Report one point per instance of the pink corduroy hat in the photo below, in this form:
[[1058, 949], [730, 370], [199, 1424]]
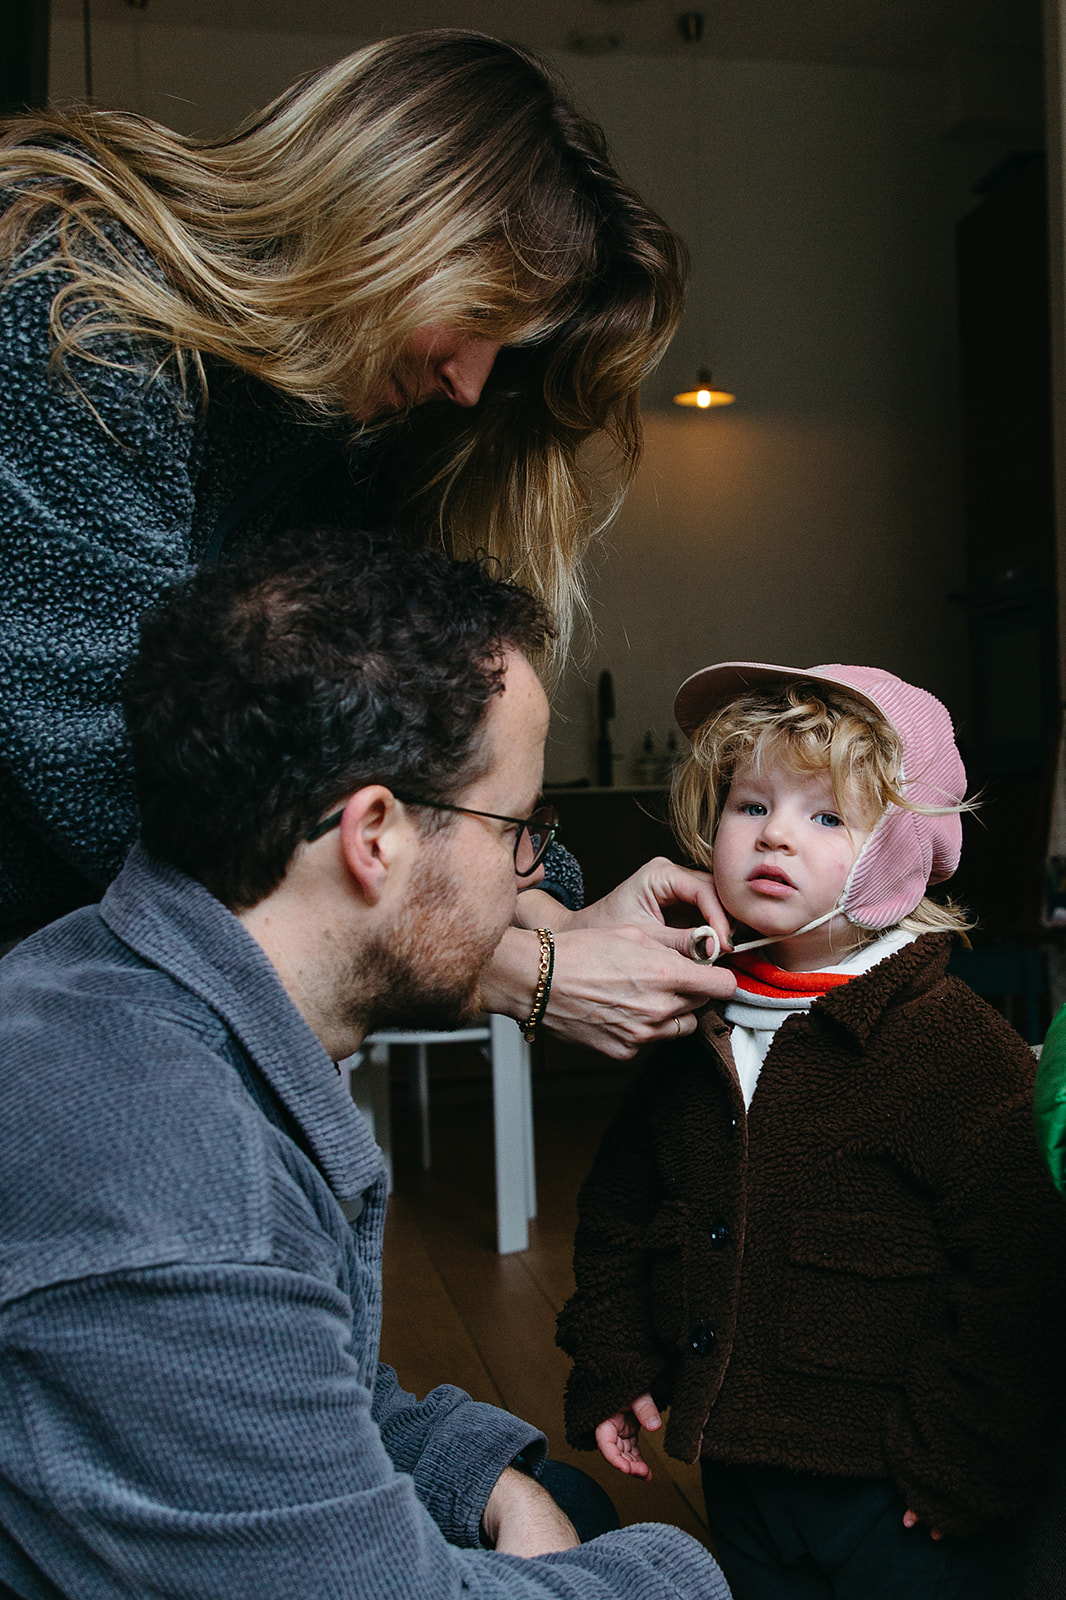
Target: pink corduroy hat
[[907, 850]]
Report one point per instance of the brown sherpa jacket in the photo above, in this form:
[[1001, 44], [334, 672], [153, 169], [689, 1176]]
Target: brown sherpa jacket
[[863, 1275]]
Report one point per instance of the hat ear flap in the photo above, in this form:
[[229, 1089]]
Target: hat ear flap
[[906, 852]]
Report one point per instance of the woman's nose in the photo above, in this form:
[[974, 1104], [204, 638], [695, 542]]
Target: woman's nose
[[466, 371]]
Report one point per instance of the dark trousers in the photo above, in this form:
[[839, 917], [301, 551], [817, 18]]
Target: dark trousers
[[783, 1534]]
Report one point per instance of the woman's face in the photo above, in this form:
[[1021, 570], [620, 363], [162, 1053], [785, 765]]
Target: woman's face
[[437, 363]]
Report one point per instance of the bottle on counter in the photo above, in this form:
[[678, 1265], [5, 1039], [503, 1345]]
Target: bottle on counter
[[646, 766], [668, 760]]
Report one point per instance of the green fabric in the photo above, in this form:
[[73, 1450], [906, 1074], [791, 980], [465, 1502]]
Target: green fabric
[[1049, 1104]]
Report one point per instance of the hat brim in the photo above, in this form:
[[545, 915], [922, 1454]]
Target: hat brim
[[707, 691]]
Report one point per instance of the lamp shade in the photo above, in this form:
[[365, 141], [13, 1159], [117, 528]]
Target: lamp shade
[[703, 393]]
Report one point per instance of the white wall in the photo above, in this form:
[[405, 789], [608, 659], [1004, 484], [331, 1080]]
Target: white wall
[[197, 80], [818, 519]]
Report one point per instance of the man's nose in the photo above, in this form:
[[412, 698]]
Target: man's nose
[[463, 376]]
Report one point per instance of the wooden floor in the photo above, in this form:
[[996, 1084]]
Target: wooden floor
[[457, 1312]]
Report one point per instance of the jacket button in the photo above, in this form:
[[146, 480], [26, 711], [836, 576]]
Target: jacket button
[[718, 1236], [702, 1339]]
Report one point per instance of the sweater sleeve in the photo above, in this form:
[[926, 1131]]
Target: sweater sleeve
[[972, 1423], [96, 508], [454, 1448], [563, 879], [607, 1324], [132, 1466]]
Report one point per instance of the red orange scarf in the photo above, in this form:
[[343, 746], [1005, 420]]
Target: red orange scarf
[[760, 977]]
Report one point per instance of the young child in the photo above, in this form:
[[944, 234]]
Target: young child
[[819, 1229]]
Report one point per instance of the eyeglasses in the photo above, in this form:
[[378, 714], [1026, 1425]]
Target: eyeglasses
[[532, 840]]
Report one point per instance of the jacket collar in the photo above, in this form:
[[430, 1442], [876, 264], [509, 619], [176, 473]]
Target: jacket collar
[[857, 1006], [175, 924]]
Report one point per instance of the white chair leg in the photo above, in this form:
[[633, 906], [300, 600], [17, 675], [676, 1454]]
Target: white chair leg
[[422, 1076], [512, 1096], [527, 1131], [346, 1068], [514, 1131]]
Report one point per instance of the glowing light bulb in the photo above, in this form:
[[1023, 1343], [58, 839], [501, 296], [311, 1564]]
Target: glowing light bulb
[[704, 394]]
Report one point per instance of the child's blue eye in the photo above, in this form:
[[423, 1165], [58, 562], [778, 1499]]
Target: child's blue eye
[[829, 819], [752, 808]]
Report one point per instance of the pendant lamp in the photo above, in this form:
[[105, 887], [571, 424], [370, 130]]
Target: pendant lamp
[[703, 393]]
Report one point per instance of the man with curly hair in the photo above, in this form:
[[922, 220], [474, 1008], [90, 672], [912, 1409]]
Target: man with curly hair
[[338, 748]]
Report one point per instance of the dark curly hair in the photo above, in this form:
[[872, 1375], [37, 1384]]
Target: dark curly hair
[[267, 690]]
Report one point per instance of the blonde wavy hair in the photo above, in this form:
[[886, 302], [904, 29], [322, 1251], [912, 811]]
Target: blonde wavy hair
[[439, 177], [828, 731]]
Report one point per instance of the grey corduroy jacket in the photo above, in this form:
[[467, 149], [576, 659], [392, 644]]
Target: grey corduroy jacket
[[191, 1404]]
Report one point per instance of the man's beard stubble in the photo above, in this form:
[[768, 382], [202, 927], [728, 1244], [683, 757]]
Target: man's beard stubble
[[427, 975]]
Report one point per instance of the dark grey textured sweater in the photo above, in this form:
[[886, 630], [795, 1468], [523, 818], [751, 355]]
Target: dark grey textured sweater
[[106, 497], [191, 1403]]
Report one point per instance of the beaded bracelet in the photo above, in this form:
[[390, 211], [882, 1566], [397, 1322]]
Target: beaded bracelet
[[544, 984]]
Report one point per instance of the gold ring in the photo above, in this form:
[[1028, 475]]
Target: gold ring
[[677, 1025]]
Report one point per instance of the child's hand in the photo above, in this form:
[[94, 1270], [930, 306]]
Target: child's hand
[[617, 1436], [911, 1519]]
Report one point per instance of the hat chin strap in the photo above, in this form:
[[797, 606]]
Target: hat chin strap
[[705, 946], [756, 944]]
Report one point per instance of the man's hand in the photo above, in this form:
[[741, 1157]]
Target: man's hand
[[522, 1519], [617, 1437], [623, 976], [616, 989], [911, 1519]]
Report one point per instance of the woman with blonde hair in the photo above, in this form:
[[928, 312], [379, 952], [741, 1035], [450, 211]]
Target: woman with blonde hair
[[200, 338]]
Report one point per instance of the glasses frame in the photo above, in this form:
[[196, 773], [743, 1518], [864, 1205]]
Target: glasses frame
[[523, 824]]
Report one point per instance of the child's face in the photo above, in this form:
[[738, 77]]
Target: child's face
[[782, 855]]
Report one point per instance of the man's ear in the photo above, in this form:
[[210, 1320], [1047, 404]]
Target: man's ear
[[375, 838]]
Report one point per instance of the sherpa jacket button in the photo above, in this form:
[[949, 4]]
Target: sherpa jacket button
[[702, 1339], [718, 1236]]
